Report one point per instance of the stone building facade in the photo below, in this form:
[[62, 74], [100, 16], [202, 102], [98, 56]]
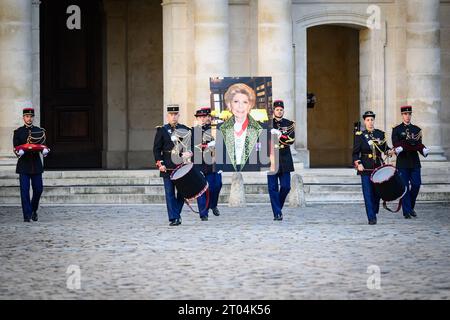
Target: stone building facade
[[101, 94]]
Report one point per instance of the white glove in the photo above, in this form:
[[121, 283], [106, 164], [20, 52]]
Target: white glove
[[219, 172], [45, 152], [370, 142], [211, 144], [275, 131], [173, 138], [398, 150], [20, 153], [425, 151]]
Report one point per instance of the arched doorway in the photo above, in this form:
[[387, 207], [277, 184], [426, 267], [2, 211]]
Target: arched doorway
[[367, 51], [333, 77]]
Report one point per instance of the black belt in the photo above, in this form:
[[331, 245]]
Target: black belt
[[369, 155]]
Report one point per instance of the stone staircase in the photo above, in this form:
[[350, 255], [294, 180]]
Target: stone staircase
[[145, 186]]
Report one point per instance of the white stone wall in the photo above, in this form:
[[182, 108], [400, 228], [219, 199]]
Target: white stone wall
[[134, 82], [242, 37], [35, 60], [445, 74], [16, 85], [178, 52], [115, 83], [145, 80]]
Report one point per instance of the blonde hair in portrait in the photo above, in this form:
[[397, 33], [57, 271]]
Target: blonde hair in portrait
[[241, 88]]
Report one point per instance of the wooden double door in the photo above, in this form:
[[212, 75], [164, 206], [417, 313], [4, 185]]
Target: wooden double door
[[71, 82]]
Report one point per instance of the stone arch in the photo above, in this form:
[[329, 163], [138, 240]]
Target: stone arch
[[372, 77], [340, 17]]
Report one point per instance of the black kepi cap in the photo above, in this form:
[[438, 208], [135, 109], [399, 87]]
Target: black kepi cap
[[173, 108], [405, 109], [28, 111], [278, 103], [368, 114], [203, 111]]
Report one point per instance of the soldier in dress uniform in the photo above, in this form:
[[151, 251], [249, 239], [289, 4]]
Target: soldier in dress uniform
[[284, 129], [368, 147], [407, 140], [166, 152], [29, 164], [203, 148]]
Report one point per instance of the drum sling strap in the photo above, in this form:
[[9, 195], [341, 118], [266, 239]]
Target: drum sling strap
[[206, 205], [398, 207]]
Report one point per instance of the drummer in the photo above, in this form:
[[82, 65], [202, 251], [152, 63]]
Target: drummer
[[29, 164], [367, 149], [203, 149], [163, 149]]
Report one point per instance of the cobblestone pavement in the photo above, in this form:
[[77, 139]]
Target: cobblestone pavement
[[318, 252]]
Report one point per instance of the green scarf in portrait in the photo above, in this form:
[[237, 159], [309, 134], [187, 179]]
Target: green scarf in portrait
[[254, 130]]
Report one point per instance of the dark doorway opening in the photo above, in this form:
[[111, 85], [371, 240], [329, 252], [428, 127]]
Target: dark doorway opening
[[334, 78], [71, 82]]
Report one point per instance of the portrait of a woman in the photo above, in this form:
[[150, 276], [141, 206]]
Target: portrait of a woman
[[241, 133]]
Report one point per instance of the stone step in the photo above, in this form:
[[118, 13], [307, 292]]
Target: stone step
[[97, 199], [145, 186], [357, 188], [90, 182], [432, 168], [339, 197], [151, 180], [149, 190], [90, 174], [317, 197], [344, 180], [159, 189]]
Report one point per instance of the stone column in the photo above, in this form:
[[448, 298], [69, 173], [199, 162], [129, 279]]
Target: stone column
[[116, 140], [175, 53], [372, 43], [211, 45], [275, 51], [36, 59], [423, 71], [301, 111], [15, 69]]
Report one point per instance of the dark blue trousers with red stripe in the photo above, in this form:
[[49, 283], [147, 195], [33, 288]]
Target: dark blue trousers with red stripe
[[30, 205]]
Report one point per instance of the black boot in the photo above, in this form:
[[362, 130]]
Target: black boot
[[216, 211], [34, 216], [175, 222], [278, 217]]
